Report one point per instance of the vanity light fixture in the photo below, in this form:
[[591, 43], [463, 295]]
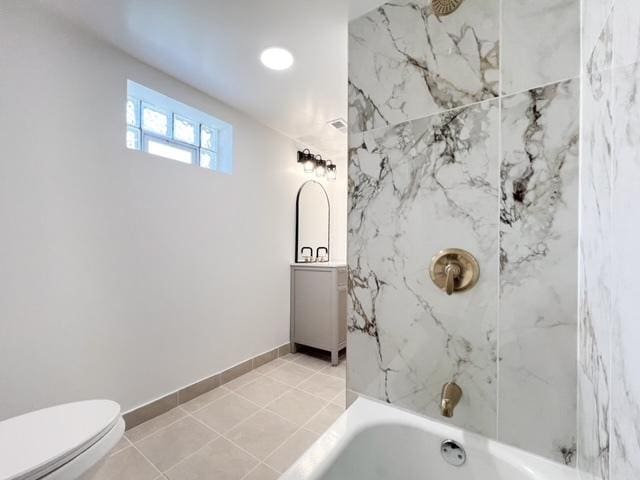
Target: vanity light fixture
[[321, 166], [315, 163], [331, 170], [307, 160]]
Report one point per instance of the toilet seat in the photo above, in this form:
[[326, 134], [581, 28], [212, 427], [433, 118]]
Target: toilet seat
[[35, 444]]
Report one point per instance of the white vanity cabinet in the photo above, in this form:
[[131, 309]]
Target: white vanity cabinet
[[319, 307]]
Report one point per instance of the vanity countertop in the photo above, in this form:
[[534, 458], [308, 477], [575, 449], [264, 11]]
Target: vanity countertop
[[319, 264]]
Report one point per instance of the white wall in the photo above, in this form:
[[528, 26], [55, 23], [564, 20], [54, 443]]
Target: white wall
[[125, 275], [338, 197]]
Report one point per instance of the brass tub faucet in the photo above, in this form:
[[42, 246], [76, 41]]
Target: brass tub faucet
[[451, 395]]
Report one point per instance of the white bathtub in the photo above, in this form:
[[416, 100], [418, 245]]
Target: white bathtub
[[374, 441]]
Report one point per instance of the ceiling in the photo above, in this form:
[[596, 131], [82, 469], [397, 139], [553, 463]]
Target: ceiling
[[214, 46]]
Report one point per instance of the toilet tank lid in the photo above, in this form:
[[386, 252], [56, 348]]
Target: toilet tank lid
[[36, 443]]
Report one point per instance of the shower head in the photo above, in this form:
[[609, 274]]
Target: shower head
[[445, 7]]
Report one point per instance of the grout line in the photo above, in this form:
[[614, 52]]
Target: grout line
[[498, 97], [150, 462], [302, 427], [317, 415], [289, 389], [340, 404], [499, 208], [260, 409], [428, 115], [282, 445], [211, 402], [252, 470], [543, 85], [579, 297], [224, 437], [160, 428], [186, 414], [115, 452]]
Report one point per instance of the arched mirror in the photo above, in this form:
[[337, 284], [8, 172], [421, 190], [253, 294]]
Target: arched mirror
[[312, 223]]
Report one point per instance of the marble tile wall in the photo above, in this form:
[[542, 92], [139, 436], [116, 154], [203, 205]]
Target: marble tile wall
[[625, 367], [444, 155], [595, 275], [407, 63], [609, 379], [539, 42], [538, 265], [594, 348], [416, 188]]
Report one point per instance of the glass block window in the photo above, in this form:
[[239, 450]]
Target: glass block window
[[208, 159], [155, 120], [185, 130], [161, 126], [208, 136], [133, 138], [133, 112]]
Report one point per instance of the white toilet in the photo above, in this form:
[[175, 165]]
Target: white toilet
[[59, 443]]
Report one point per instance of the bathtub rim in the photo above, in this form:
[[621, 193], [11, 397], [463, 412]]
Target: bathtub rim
[[365, 413]]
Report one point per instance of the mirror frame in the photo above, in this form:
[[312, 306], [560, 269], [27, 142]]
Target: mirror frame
[[326, 195]]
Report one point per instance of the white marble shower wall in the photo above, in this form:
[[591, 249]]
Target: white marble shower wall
[[609, 333], [452, 147]]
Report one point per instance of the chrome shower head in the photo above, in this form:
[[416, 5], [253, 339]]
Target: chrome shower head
[[445, 7]]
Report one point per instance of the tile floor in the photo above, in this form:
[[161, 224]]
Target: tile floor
[[252, 428]]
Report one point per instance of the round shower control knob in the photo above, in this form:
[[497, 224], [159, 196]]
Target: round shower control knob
[[454, 270]]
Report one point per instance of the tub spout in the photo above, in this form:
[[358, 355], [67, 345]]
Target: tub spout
[[451, 395]]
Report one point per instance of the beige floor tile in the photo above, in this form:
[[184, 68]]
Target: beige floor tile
[[324, 418], [161, 421], [242, 380], [205, 399], [263, 390], [219, 460], [262, 472], [296, 406], [127, 463], [291, 374], [121, 445], [289, 357], [168, 446], [323, 386], [340, 399], [339, 371], [272, 365], [226, 413], [310, 362], [287, 454], [262, 433]]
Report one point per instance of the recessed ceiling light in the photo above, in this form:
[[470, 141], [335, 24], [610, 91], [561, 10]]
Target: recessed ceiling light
[[276, 58]]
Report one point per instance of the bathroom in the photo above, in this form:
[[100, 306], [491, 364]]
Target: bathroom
[[319, 240]]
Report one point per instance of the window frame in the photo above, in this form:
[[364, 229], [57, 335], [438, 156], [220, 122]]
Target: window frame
[[144, 146], [222, 133]]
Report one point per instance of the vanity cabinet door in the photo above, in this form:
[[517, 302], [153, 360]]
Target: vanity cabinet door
[[312, 313]]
